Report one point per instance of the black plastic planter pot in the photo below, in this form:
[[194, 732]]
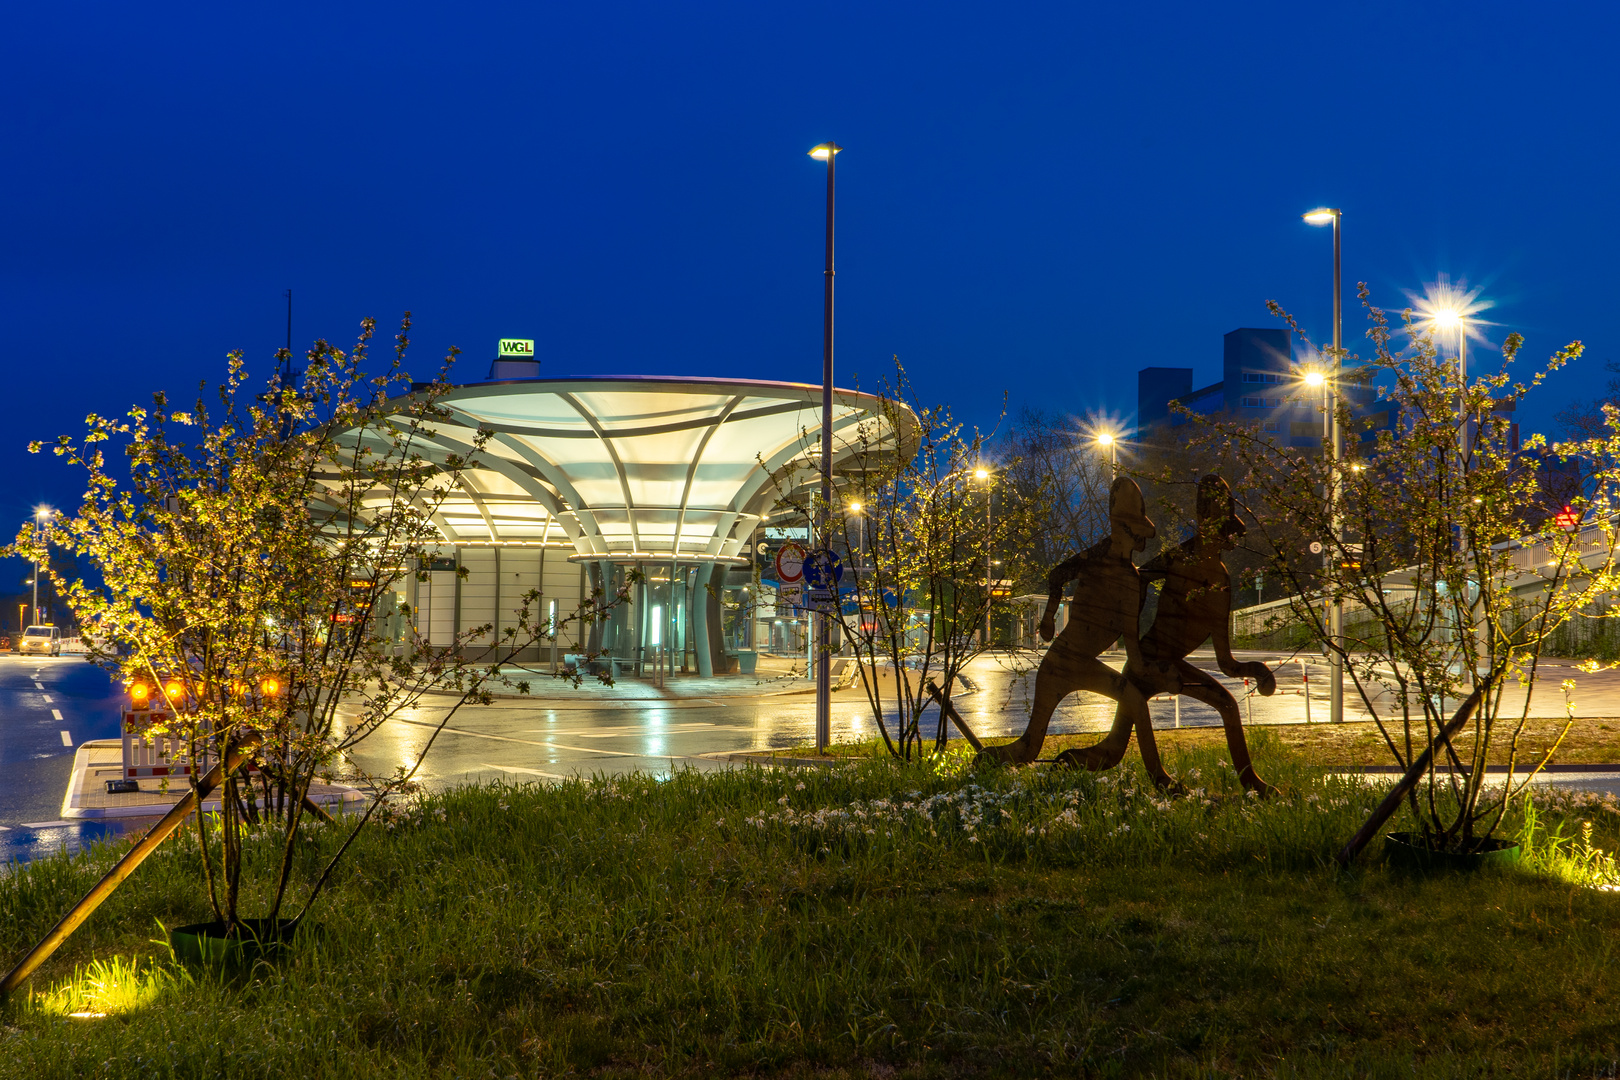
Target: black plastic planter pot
[[208, 943], [1408, 850]]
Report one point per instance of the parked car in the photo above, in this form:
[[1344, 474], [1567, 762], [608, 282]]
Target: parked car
[[41, 639]]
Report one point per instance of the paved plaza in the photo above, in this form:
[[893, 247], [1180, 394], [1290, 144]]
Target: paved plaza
[[52, 707]]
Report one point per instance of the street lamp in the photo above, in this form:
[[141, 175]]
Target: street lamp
[[855, 508], [42, 514], [1335, 450], [983, 476], [822, 624], [1451, 320], [1106, 439]]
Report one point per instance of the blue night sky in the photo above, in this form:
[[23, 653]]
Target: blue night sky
[[1033, 199]]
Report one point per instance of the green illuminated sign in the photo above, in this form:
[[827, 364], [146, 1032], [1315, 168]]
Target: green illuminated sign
[[516, 349]]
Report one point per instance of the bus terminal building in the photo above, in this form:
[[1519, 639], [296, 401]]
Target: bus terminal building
[[584, 480]]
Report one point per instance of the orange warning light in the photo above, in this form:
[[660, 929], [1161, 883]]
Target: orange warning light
[[174, 689], [270, 686], [140, 692]]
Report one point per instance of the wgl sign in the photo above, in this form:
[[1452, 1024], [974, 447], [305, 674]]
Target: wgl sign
[[516, 349]]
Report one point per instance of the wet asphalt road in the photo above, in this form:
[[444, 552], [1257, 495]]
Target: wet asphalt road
[[564, 734], [48, 706]]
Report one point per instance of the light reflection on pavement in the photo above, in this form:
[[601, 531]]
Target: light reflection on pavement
[[559, 736]]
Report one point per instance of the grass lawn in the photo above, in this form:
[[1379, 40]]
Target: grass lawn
[[1594, 741], [867, 920]]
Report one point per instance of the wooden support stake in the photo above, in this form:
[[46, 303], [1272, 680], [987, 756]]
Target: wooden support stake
[[949, 712], [1420, 766], [125, 867]]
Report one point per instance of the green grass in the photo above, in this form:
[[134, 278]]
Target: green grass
[[755, 922]]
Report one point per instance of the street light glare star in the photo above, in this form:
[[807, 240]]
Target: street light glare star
[[1105, 439], [981, 474], [1314, 378], [1449, 309]]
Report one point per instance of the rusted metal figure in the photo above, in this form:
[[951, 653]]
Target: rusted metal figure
[[1195, 605], [1107, 608]]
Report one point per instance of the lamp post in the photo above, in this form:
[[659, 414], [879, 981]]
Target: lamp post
[[1451, 318], [1333, 442], [42, 514], [822, 625], [983, 476], [1107, 439]]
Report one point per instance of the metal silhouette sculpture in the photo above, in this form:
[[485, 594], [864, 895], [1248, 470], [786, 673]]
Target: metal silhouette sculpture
[[1195, 605], [1112, 592]]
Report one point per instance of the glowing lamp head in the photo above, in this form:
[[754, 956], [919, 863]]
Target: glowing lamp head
[[270, 686], [1105, 439], [139, 693], [1321, 216], [1314, 378], [854, 508], [824, 151], [981, 474], [1447, 319]]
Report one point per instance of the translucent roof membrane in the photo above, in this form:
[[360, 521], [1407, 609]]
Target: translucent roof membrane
[[638, 467]]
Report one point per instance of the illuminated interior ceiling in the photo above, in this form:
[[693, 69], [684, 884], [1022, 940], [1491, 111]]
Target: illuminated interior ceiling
[[641, 468]]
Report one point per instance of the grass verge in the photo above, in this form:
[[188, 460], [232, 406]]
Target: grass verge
[[864, 920], [1594, 741]]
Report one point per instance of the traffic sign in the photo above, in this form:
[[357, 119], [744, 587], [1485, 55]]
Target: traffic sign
[[823, 569], [1316, 547], [789, 562], [789, 596]]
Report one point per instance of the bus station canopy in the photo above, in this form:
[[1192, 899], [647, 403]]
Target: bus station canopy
[[631, 469]]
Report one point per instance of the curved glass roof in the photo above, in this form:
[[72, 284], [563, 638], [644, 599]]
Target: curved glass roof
[[627, 468]]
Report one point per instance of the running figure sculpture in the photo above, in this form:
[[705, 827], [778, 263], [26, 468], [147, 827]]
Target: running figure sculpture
[[1195, 605], [1107, 608]]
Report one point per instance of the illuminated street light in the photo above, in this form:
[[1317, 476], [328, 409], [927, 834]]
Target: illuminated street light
[[1332, 215], [822, 624], [984, 475], [1107, 440], [1314, 378], [42, 514]]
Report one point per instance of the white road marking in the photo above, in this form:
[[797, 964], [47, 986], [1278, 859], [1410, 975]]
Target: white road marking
[[67, 739], [39, 685], [531, 772], [56, 714], [49, 699], [618, 732], [525, 742]]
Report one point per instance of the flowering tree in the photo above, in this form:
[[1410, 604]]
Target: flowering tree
[[923, 543], [1435, 538], [250, 579]]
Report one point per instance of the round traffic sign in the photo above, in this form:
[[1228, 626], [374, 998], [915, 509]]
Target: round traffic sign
[[823, 569], [790, 562], [1316, 547]]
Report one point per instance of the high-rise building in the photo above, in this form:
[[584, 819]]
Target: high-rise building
[[1260, 383]]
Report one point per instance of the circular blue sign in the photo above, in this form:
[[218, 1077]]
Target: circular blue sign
[[823, 569]]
